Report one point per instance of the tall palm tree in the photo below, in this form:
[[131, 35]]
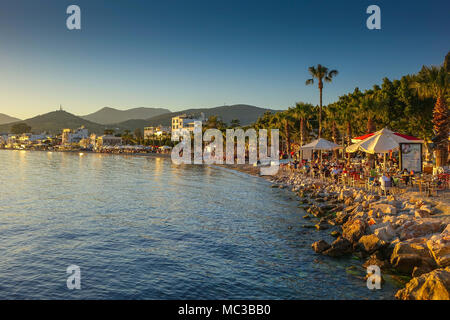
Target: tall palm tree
[[434, 82], [322, 74]]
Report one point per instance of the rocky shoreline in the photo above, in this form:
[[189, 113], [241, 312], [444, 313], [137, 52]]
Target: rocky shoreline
[[408, 236]]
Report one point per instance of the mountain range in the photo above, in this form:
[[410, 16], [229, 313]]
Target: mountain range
[[111, 116], [7, 119], [54, 122]]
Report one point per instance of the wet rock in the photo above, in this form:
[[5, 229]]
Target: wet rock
[[320, 246], [322, 226], [434, 285], [335, 234], [306, 216], [411, 253], [377, 259], [353, 229], [339, 247]]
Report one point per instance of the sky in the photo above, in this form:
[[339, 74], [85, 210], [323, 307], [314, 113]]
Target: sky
[[206, 53]]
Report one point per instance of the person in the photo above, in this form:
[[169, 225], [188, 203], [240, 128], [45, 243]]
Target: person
[[405, 176], [385, 181]]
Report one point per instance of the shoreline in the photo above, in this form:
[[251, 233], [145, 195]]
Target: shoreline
[[150, 155], [406, 236]]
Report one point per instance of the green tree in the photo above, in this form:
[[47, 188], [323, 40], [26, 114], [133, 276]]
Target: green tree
[[433, 82], [322, 74], [20, 128]]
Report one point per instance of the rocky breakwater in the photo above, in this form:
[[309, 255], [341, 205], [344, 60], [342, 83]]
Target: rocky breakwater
[[408, 237]]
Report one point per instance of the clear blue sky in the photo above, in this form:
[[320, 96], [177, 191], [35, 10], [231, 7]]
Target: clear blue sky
[[189, 53]]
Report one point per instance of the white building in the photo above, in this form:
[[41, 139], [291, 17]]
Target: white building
[[160, 130], [74, 136], [184, 122]]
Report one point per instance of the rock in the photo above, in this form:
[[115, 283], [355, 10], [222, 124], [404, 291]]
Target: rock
[[370, 243], [386, 233], [320, 246], [339, 247], [376, 259], [418, 271], [335, 234], [384, 208], [421, 214], [341, 217], [439, 246], [322, 226], [411, 253], [354, 229], [418, 228], [434, 285]]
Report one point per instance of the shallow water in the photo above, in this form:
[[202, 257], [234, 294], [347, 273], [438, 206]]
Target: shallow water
[[143, 228]]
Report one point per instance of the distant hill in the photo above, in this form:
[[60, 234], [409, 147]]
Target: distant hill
[[4, 118], [110, 115], [54, 122], [245, 113]]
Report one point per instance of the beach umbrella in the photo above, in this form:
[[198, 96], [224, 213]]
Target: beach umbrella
[[321, 144], [382, 141], [409, 138]]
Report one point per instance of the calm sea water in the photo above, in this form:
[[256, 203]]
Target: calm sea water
[[143, 228]]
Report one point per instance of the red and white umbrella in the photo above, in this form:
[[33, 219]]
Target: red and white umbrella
[[382, 141], [404, 136]]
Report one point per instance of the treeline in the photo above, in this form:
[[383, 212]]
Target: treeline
[[415, 105]]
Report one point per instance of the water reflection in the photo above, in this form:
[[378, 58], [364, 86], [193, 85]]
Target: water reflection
[[144, 228]]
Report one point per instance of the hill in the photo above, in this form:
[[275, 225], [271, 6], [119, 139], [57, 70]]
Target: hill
[[245, 113], [54, 122], [111, 116], [4, 118]]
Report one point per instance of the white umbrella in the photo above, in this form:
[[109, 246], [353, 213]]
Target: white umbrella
[[321, 144], [382, 141]]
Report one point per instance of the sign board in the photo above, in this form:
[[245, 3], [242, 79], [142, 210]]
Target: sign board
[[411, 156]]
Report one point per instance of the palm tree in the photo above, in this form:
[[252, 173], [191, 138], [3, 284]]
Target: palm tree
[[302, 112], [332, 116], [433, 82], [282, 120], [322, 74]]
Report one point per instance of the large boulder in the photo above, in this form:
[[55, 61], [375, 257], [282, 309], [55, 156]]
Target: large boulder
[[339, 247], [419, 228], [439, 246], [385, 233], [434, 285], [370, 243], [320, 246], [411, 253], [353, 229]]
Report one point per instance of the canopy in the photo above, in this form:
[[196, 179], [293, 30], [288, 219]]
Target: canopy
[[382, 141], [321, 144], [410, 138]]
